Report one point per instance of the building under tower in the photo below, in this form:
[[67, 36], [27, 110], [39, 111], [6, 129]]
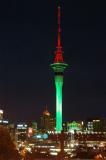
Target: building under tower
[[58, 67]]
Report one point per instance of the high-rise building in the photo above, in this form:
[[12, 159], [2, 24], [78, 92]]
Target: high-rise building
[[58, 67], [21, 132], [99, 125], [96, 125], [47, 121]]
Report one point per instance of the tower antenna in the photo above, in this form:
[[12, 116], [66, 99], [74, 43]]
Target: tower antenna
[[59, 52], [59, 29]]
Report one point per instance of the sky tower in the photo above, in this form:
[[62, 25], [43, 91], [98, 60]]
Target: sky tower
[[58, 67]]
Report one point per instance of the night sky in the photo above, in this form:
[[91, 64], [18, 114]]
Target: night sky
[[28, 38]]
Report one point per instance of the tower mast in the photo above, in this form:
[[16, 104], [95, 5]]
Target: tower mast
[[58, 67], [58, 52]]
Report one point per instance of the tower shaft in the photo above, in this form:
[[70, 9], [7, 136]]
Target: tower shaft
[[59, 85]]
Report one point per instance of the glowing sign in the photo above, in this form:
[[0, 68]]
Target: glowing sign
[[41, 136], [30, 130]]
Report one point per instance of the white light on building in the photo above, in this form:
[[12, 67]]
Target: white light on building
[[1, 114]]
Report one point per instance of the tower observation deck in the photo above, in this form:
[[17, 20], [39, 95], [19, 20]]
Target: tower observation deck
[[58, 67]]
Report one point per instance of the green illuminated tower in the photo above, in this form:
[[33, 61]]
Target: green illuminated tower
[[58, 67]]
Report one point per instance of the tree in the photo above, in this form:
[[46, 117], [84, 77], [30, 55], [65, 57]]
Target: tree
[[7, 147]]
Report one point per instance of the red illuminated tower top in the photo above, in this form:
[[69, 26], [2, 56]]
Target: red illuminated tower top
[[58, 65], [59, 52]]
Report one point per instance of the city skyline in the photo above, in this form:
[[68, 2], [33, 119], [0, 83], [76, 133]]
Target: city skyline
[[28, 36]]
